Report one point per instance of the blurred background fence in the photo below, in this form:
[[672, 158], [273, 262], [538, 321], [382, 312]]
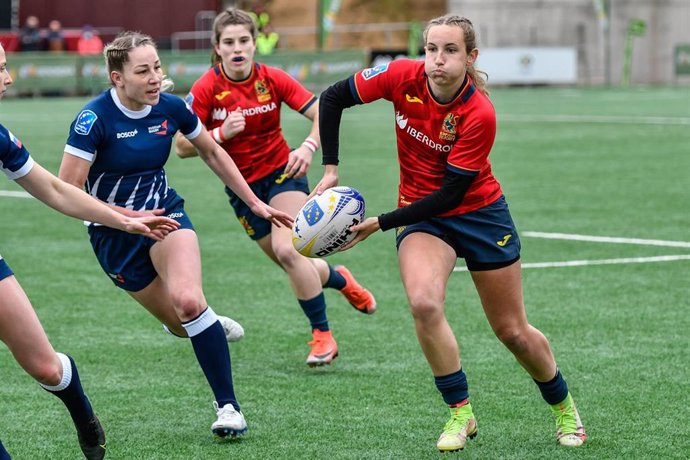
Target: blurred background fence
[[522, 42]]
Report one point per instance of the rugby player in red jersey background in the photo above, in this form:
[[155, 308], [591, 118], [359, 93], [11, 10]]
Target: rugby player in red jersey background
[[239, 101]]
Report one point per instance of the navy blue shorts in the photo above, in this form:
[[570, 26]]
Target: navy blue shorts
[[486, 238], [124, 257], [5, 269], [265, 188]]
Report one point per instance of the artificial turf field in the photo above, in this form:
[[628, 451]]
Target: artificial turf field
[[597, 181]]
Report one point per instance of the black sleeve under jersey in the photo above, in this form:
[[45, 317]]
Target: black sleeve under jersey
[[332, 102], [450, 195]]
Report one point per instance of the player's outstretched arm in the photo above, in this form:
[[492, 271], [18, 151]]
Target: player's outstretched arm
[[226, 169], [74, 202]]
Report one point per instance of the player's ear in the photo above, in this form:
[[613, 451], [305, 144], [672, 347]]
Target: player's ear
[[116, 78], [472, 56]]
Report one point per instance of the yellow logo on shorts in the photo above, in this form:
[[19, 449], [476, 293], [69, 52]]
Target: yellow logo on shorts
[[281, 179], [504, 241], [247, 228], [399, 230]]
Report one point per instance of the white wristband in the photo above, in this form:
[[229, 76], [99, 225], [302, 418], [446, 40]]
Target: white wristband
[[218, 135], [310, 144]]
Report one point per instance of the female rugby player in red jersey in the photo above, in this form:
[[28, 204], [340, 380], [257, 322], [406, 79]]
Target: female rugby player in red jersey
[[239, 101], [450, 206]]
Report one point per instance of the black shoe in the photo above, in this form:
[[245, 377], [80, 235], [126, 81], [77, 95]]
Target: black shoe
[[92, 439]]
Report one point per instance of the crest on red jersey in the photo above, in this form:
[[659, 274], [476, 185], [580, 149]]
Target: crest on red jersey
[[262, 93], [448, 128]]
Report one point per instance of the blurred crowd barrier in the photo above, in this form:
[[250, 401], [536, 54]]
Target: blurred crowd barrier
[[71, 74]]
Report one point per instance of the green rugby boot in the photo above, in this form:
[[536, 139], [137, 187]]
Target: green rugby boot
[[569, 429], [462, 425]]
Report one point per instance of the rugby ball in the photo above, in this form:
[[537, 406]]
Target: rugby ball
[[323, 224]]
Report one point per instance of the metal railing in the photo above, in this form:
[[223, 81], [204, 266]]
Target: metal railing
[[288, 33]]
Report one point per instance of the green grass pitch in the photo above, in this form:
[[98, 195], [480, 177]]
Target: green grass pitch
[[591, 162]]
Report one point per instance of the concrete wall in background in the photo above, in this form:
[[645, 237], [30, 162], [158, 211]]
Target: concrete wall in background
[[600, 44]]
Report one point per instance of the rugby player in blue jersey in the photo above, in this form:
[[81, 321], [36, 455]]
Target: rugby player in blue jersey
[[117, 147], [20, 328]]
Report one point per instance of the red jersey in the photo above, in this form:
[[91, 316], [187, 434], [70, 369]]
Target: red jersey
[[261, 148], [433, 137]]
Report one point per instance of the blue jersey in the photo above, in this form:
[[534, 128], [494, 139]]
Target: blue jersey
[[128, 149], [15, 160]]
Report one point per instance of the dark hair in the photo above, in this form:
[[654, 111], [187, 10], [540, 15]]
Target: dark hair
[[230, 17], [478, 77]]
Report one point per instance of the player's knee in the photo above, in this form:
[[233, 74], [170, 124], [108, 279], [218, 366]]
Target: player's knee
[[48, 373], [188, 304], [424, 308], [513, 338], [286, 255]]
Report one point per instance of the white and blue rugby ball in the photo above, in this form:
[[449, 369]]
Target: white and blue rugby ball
[[323, 224]]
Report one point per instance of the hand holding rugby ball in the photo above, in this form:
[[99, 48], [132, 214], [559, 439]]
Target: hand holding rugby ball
[[323, 224]]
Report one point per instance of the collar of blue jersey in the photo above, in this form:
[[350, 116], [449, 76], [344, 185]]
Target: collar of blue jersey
[[467, 89], [133, 114]]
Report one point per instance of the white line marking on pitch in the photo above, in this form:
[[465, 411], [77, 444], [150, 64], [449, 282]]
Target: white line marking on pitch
[[14, 194], [607, 239], [582, 263], [603, 239], [627, 120]]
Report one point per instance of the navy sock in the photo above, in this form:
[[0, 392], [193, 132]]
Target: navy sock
[[335, 280], [71, 393], [555, 390], [453, 387], [4, 455], [212, 353], [315, 309]]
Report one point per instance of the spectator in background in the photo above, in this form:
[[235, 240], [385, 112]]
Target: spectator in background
[[266, 40], [266, 37], [55, 40], [89, 42], [30, 36]]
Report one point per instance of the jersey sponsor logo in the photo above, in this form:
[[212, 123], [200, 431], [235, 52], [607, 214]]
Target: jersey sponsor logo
[[420, 136], [219, 114], [504, 241], [127, 134], [401, 120], [161, 129], [262, 93], [222, 95], [413, 99], [448, 127], [85, 121], [16, 142], [259, 110], [371, 72]]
